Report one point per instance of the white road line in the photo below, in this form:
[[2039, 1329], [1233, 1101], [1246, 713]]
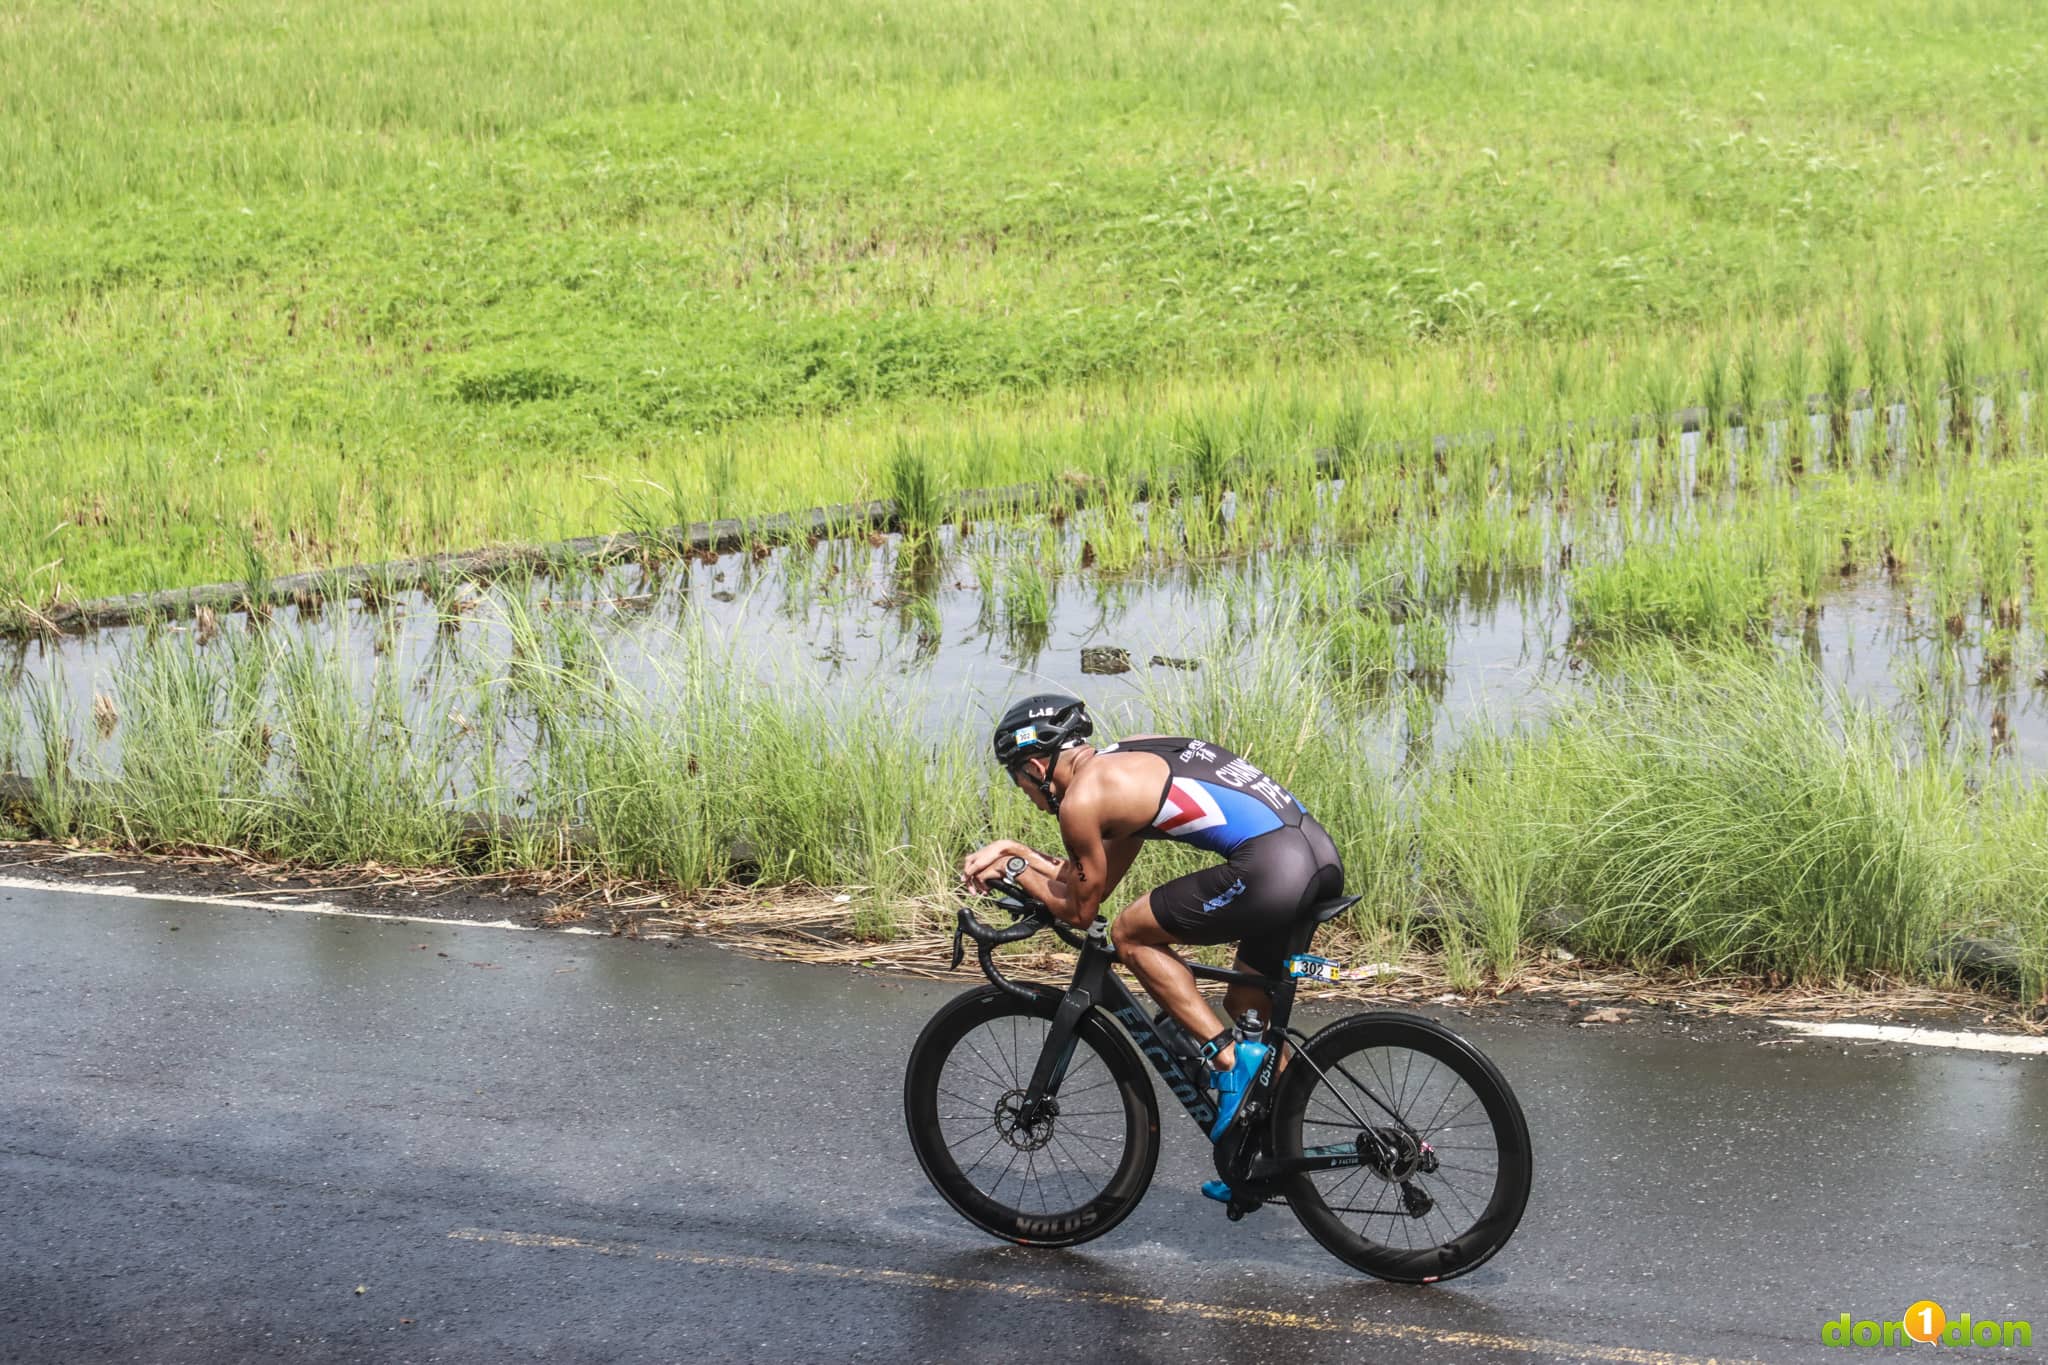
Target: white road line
[[244, 903], [1922, 1037]]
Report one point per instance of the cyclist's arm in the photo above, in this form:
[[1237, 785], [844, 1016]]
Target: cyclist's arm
[[1076, 893]]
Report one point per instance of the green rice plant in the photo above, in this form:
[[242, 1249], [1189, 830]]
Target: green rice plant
[[1958, 386], [1419, 713], [1950, 579], [986, 567], [1352, 434], [2036, 395], [1470, 473], [256, 589], [1115, 543], [1749, 388], [1027, 596], [1877, 365], [1712, 383], [1815, 560], [1205, 455], [1360, 649], [915, 487], [921, 615], [1913, 365], [1923, 407], [1879, 373], [646, 512], [1426, 638], [1934, 698], [1996, 537], [1709, 588], [1838, 390], [2007, 428], [1661, 394], [1797, 443], [1712, 465]]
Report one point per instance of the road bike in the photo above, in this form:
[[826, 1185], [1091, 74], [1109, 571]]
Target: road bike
[[1395, 1142]]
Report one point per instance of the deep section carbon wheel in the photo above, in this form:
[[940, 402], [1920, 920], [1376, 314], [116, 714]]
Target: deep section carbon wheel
[[1064, 1171], [1448, 1163]]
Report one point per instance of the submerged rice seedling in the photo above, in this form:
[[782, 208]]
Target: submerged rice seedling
[[1360, 650], [1712, 382], [1711, 587], [1027, 596], [1427, 641], [1838, 388], [1957, 385], [914, 486]]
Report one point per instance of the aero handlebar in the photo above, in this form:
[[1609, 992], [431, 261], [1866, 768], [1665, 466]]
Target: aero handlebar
[[1028, 917]]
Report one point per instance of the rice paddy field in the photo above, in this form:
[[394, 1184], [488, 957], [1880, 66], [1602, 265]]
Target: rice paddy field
[[1599, 468]]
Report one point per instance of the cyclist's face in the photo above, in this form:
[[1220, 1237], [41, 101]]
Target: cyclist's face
[[1026, 775]]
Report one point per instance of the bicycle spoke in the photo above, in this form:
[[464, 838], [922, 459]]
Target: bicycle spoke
[[976, 1163], [989, 1127], [1438, 1127], [1429, 1125], [1403, 1085], [989, 1069]]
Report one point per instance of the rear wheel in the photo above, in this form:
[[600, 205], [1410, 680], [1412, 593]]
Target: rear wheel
[[1064, 1174], [1448, 1162]]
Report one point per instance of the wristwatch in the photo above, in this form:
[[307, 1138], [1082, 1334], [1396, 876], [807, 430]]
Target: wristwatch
[[1014, 868]]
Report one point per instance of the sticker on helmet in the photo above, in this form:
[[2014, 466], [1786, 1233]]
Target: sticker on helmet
[[1027, 735]]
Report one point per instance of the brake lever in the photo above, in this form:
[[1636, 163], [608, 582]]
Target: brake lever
[[959, 943]]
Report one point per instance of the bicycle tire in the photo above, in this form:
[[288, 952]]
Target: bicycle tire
[[1350, 1044], [970, 1018]]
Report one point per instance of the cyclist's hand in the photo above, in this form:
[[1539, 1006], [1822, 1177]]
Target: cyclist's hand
[[985, 864]]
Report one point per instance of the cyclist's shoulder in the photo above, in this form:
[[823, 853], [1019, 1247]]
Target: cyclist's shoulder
[[1116, 785]]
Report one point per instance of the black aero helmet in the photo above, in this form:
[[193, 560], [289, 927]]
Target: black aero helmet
[[1044, 724]]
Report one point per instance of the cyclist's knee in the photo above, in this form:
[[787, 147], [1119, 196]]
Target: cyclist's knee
[[1135, 926]]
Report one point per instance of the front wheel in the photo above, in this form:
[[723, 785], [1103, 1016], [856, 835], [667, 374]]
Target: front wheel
[[1447, 1163], [1070, 1171]]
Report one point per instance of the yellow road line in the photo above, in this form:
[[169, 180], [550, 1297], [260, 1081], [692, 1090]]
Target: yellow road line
[[1248, 1317]]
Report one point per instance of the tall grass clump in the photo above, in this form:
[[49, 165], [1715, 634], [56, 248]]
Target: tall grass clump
[[194, 745], [1729, 813], [685, 782], [360, 780]]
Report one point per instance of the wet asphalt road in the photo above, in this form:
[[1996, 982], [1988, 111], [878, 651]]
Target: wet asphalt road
[[217, 1125]]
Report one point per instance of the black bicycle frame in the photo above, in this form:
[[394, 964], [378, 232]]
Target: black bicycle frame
[[1240, 1156]]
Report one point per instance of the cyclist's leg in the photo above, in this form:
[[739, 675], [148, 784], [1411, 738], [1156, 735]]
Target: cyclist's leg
[[1242, 995], [1211, 905], [1144, 946]]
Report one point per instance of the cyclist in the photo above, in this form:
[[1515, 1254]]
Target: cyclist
[[1278, 862]]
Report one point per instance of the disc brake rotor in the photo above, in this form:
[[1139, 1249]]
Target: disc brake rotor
[[1025, 1133]]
